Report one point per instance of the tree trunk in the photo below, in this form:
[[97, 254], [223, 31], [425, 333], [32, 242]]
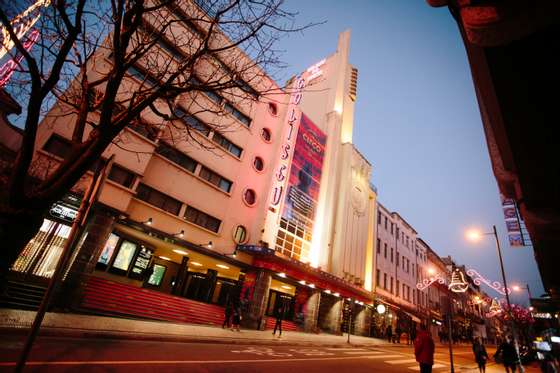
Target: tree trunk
[[16, 229]]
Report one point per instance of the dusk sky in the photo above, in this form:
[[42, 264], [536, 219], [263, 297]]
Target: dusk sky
[[417, 121]]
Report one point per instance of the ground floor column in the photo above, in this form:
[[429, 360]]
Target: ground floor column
[[256, 289], [330, 314], [82, 262], [311, 314], [362, 320]]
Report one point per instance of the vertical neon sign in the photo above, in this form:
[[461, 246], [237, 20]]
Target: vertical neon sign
[[287, 147]]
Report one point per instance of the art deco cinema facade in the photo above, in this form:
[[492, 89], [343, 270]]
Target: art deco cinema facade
[[276, 211]]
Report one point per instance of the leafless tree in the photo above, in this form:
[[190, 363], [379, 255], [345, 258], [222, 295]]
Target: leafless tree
[[103, 66]]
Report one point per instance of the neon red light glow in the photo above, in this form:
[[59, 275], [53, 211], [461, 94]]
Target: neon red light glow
[[8, 69]]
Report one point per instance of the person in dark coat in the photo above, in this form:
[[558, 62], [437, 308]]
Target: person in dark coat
[[424, 349], [236, 317], [509, 356], [227, 315], [389, 333], [480, 355], [398, 333], [279, 314]]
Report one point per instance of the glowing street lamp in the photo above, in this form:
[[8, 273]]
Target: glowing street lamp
[[475, 235], [519, 288]]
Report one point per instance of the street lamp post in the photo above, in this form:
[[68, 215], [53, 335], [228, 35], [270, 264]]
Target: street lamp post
[[474, 235]]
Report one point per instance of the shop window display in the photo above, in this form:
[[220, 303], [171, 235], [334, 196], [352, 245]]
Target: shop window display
[[108, 250], [41, 254], [157, 275], [125, 255]]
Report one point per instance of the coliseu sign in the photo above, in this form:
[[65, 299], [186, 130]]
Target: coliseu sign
[[288, 142]]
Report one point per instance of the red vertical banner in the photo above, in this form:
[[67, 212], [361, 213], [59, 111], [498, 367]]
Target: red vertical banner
[[305, 175]]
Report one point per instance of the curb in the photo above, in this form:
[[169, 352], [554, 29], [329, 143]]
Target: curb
[[106, 334]]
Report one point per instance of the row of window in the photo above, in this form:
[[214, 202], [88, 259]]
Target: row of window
[[382, 219], [222, 102], [389, 281], [243, 85], [405, 261], [193, 122], [173, 206], [146, 78], [62, 148]]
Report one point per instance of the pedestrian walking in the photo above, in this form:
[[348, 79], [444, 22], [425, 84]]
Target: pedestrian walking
[[480, 354], [389, 333], [424, 349], [279, 314], [227, 315], [236, 317], [508, 355], [398, 333]]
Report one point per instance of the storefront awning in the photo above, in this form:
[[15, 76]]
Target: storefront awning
[[319, 278]]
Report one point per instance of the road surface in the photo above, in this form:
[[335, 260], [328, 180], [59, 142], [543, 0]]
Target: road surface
[[51, 354]]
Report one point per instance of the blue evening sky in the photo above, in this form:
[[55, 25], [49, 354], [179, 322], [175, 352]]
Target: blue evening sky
[[417, 121]]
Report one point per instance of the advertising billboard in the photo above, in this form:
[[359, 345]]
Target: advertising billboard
[[305, 174]]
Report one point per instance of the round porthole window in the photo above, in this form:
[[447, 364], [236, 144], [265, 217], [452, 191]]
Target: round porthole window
[[258, 163], [240, 235], [249, 197], [273, 108], [266, 135]]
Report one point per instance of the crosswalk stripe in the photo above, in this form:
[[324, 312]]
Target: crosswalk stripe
[[345, 349], [362, 352], [435, 366], [403, 361], [381, 356]]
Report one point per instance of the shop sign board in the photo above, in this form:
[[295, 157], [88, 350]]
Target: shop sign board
[[63, 212], [254, 249]]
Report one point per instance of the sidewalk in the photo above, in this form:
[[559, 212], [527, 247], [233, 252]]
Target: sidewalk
[[77, 325]]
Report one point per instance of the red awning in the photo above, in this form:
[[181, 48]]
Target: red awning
[[321, 279]]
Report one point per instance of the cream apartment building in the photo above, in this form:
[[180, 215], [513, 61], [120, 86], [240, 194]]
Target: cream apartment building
[[198, 218]]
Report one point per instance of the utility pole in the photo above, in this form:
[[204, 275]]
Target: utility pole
[[88, 200], [449, 332]]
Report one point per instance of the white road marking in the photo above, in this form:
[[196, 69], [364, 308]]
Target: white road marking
[[311, 352], [435, 366], [362, 352], [344, 349], [381, 356], [262, 351], [178, 362], [404, 361]]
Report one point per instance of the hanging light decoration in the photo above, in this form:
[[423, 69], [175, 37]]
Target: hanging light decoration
[[478, 279], [458, 283], [494, 309], [429, 281]]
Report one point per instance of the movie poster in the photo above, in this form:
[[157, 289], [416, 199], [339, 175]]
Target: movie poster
[[305, 175]]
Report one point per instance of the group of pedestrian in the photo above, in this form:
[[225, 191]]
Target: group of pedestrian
[[232, 316], [424, 349], [393, 337]]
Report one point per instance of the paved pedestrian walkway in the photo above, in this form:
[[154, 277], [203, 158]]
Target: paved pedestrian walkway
[[69, 324]]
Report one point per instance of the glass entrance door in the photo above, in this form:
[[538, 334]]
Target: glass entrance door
[[276, 301]]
